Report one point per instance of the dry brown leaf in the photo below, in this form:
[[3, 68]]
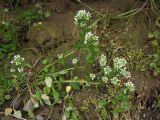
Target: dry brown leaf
[[8, 111]]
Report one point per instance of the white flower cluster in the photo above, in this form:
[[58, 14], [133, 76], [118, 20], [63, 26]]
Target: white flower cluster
[[125, 73], [92, 76], [107, 70], [91, 38], [12, 70], [60, 56], [114, 80], [130, 86], [74, 61], [18, 61], [119, 62], [82, 18], [102, 60], [105, 79]]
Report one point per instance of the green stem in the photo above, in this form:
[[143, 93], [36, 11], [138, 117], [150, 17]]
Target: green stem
[[56, 73], [49, 65], [73, 81]]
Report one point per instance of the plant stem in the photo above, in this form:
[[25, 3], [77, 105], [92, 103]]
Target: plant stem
[[13, 116], [72, 81], [49, 65]]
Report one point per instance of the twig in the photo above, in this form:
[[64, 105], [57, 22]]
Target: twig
[[138, 10], [122, 15], [28, 77], [14, 101], [91, 8]]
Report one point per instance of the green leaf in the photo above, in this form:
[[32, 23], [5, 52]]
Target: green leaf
[[116, 114], [45, 61], [7, 97], [38, 95], [157, 34], [150, 35], [17, 114], [48, 102], [152, 65], [47, 14], [45, 69], [75, 86], [104, 114], [67, 112], [31, 114], [48, 81], [29, 65], [46, 90], [74, 115], [63, 72], [55, 95], [154, 43]]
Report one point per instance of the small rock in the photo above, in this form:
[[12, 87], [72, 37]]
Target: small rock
[[39, 117], [158, 117], [29, 106], [144, 115]]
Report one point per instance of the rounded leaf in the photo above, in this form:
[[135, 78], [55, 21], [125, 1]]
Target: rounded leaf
[[44, 97], [8, 111], [48, 81]]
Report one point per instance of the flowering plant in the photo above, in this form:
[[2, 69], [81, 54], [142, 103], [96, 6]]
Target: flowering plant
[[119, 87], [115, 77], [82, 18], [111, 77], [89, 41], [17, 69]]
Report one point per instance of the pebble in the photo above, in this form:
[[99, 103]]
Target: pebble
[[29, 106]]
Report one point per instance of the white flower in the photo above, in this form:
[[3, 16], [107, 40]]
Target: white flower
[[12, 62], [107, 70], [17, 60], [92, 76], [20, 69], [82, 18], [102, 60], [114, 80], [60, 56], [6, 10], [91, 38], [105, 79], [12, 70], [125, 73], [75, 61], [3, 22], [119, 62], [130, 86]]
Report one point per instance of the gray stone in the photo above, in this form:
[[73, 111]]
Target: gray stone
[[28, 106]]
